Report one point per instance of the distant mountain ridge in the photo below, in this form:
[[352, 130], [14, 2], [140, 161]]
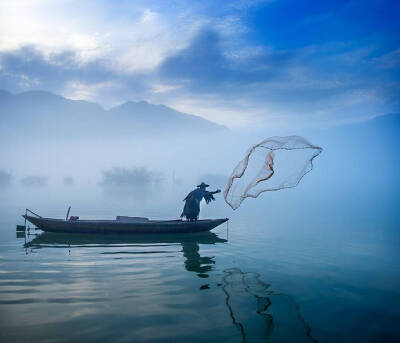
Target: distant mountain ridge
[[46, 110]]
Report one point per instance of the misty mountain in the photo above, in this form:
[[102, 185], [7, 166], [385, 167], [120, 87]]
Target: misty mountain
[[142, 114], [49, 113]]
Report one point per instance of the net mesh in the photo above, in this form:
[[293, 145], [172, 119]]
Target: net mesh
[[275, 163]]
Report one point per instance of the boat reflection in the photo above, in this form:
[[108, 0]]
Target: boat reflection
[[190, 243], [49, 238]]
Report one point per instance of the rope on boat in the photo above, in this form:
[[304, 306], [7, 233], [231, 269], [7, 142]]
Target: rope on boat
[[28, 210]]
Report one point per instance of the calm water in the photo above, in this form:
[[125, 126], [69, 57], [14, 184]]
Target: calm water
[[251, 282]]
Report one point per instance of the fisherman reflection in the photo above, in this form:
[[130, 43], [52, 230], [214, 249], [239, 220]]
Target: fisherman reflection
[[201, 265], [194, 262]]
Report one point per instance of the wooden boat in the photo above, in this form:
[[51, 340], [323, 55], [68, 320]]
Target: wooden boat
[[129, 225]]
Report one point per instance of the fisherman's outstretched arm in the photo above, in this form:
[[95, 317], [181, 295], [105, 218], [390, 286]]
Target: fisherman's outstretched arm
[[215, 192], [208, 196]]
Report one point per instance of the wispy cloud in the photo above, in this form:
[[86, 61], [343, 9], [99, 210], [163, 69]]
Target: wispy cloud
[[77, 90]]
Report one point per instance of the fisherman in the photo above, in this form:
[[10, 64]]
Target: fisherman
[[192, 201]]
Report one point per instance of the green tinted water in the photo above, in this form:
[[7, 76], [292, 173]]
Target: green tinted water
[[250, 283]]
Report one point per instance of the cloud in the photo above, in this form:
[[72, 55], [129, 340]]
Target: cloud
[[317, 83], [133, 36], [164, 88], [36, 181], [240, 4], [391, 60], [77, 90], [51, 27], [28, 68], [203, 66], [48, 71]]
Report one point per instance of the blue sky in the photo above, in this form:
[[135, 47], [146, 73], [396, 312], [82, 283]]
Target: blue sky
[[240, 63]]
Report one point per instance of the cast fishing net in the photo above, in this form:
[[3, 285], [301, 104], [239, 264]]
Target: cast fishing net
[[275, 163]]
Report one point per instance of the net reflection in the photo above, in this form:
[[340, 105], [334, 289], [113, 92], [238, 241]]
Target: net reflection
[[261, 314]]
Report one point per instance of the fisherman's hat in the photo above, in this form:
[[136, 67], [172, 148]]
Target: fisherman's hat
[[203, 185]]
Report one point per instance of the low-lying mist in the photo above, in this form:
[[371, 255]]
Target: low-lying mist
[[149, 173]]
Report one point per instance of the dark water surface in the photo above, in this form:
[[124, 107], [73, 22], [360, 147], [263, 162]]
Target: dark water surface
[[250, 283]]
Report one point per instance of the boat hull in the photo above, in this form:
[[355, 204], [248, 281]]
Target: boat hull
[[114, 226]]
